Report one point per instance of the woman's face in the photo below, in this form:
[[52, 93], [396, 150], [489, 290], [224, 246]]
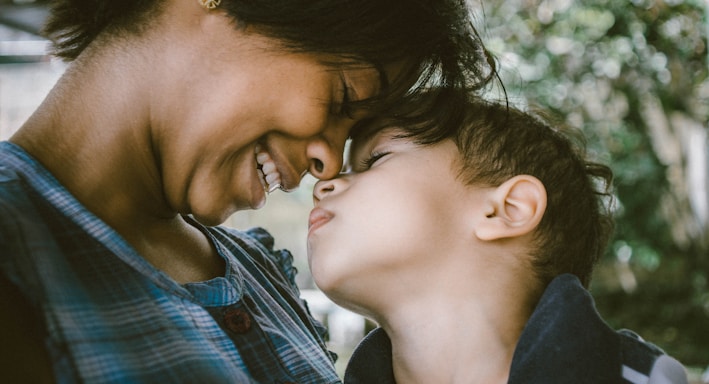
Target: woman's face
[[240, 97]]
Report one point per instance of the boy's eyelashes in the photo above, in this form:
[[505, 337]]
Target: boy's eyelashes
[[369, 161]]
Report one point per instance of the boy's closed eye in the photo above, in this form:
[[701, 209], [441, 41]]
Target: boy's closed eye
[[368, 162], [366, 153]]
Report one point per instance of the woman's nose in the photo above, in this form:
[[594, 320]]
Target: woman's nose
[[325, 153], [325, 161]]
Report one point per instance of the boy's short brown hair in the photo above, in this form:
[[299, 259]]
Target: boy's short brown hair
[[497, 142]]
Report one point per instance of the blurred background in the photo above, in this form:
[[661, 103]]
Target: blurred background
[[632, 74]]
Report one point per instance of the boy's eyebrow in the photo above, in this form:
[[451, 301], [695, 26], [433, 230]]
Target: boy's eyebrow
[[369, 134], [364, 130]]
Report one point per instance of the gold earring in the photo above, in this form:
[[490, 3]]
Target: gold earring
[[210, 4]]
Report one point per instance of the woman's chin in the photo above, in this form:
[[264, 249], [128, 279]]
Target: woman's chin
[[259, 202], [211, 218]]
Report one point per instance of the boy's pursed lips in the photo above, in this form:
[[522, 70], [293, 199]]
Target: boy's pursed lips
[[318, 218]]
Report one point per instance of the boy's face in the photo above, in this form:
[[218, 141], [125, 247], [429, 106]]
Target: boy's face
[[381, 228]]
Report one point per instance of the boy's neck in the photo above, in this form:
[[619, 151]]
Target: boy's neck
[[473, 344]]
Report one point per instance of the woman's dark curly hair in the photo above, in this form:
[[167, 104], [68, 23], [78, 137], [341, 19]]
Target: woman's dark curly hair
[[433, 39]]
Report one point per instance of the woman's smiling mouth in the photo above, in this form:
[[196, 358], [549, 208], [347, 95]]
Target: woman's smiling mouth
[[270, 177]]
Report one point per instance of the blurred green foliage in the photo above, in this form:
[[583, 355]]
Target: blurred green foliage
[[634, 75]]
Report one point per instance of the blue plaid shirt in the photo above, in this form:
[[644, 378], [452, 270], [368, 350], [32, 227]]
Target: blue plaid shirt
[[110, 316]]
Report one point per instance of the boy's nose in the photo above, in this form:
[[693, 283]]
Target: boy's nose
[[324, 188]]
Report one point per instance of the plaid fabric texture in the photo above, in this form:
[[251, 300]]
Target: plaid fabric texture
[[112, 317]]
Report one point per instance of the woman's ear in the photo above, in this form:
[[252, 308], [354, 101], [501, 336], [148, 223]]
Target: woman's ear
[[515, 208]]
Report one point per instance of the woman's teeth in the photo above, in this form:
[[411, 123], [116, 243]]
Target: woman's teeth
[[270, 178]]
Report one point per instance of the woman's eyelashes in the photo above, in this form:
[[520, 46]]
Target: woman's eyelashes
[[343, 108]]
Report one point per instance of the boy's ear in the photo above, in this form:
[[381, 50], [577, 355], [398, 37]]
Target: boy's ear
[[513, 209]]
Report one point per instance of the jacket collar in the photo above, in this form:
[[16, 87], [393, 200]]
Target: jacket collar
[[565, 340]]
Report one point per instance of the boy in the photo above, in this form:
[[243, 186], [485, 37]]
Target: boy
[[473, 250]]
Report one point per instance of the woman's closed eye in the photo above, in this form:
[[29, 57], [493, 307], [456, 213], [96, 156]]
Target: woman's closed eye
[[343, 108]]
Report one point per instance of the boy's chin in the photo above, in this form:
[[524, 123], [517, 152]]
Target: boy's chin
[[350, 299]]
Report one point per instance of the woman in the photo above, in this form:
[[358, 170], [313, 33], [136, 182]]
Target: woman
[[172, 115]]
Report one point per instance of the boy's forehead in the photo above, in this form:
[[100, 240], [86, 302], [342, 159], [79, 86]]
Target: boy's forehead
[[362, 142]]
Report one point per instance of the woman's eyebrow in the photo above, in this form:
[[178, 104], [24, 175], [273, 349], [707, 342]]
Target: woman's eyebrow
[[370, 101]]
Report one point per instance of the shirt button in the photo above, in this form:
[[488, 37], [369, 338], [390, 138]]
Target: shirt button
[[237, 320]]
